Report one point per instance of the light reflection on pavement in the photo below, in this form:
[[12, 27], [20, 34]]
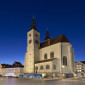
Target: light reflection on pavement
[[17, 81]]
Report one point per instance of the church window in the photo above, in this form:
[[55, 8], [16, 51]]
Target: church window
[[41, 67], [64, 60], [45, 56], [52, 55], [47, 67], [36, 68], [30, 41], [54, 66], [29, 35], [82, 70], [36, 35], [36, 41]]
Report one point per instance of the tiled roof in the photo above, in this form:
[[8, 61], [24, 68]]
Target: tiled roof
[[61, 38], [81, 62], [16, 64], [42, 61]]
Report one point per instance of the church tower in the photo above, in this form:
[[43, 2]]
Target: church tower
[[33, 44]]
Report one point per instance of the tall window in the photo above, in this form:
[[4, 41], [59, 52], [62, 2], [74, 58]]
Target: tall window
[[45, 56], [54, 66], [41, 67], [47, 67], [52, 55], [64, 60], [36, 67]]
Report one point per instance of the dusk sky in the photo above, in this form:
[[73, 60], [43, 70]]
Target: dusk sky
[[60, 16]]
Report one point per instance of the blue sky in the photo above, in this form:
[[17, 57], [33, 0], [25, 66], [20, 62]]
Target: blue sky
[[60, 16]]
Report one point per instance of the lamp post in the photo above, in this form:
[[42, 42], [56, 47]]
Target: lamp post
[[62, 69]]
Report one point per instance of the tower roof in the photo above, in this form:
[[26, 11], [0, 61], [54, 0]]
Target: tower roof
[[47, 35], [61, 38], [33, 25]]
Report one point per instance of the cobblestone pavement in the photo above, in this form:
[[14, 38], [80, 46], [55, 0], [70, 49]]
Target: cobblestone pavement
[[17, 81]]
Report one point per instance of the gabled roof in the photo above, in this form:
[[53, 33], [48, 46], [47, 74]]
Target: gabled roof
[[5, 65], [80, 62], [15, 64], [61, 38], [47, 60], [83, 62]]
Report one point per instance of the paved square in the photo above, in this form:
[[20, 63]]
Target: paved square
[[12, 81]]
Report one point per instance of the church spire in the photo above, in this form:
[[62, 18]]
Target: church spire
[[47, 35], [33, 24]]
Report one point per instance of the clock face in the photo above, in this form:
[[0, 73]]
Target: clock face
[[36, 41], [30, 41]]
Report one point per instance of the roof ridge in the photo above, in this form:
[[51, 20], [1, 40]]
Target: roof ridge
[[47, 60], [60, 38]]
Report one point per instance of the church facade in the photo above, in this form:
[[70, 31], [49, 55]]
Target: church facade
[[51, 57]]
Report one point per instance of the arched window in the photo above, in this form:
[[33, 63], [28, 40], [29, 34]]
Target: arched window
[[30, 41], [29, 35], [45, 56], [54, 66], [47, 67], [64, 60], [41, 67], [36, 67], [52, 55]]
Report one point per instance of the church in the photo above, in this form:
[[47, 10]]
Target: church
[[50, 57]]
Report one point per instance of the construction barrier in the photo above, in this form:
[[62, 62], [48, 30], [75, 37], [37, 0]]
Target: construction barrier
[[31, 76]]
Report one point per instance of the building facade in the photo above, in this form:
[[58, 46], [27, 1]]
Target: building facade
[[51, 57], [80, 68], [11, 70]]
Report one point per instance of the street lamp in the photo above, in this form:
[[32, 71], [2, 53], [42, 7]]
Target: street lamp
[[63, 66], [62, 69]]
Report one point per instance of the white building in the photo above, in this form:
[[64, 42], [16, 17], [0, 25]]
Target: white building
[[51, 57], [11, 70], [80, 68]]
